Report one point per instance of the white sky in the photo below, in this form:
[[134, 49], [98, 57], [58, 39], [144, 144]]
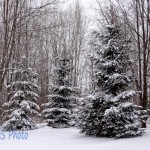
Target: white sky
[[85, 3]]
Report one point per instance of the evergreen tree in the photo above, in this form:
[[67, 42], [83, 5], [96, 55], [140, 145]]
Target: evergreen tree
[[58, 110], [109, 110], [22, 103]]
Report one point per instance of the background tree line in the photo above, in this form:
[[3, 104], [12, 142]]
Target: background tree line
[[41, 30]]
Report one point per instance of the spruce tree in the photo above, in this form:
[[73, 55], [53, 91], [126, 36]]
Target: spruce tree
[[109, 110], [22, 102], [58, 111]]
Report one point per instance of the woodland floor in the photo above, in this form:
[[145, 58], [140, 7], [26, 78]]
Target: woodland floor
[[46, 138]]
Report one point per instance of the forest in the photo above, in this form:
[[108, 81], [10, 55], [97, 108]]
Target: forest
[[71, 66]]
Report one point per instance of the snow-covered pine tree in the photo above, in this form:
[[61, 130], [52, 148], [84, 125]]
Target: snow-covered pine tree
[[58, 110], [109, 110], [22, 103]]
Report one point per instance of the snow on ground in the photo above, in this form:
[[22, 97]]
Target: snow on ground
[[47, 138]]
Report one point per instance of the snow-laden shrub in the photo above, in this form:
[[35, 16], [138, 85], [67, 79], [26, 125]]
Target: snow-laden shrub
[[22, 99]]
